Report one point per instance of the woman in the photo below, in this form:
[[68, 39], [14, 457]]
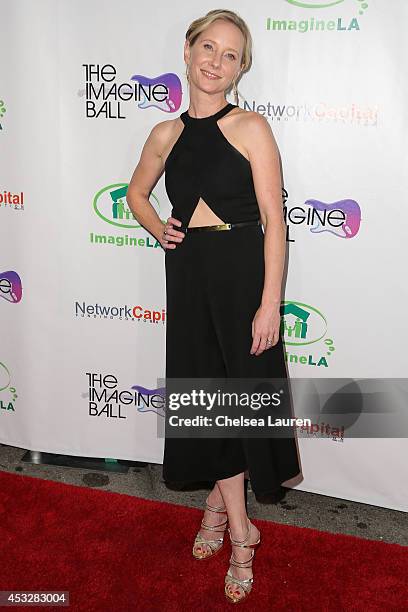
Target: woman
[[223, 287]]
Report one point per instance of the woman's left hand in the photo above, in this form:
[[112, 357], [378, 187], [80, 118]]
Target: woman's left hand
[[265, 326]]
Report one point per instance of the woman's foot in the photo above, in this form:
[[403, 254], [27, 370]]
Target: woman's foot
[[211, 518], [244, 554]]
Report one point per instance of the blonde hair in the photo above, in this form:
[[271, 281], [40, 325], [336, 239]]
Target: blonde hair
[[200, 24]]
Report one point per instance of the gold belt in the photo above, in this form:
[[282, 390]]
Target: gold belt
[[217, 228]]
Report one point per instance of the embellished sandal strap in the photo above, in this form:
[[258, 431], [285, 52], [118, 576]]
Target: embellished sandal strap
[[200, 540], [220, 509], [246, 583], [242, 564], [213, 527], [241, 543]]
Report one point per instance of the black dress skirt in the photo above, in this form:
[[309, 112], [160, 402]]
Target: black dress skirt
[[214, 283]]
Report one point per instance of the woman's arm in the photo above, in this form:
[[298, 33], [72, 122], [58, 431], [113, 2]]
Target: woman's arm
[[264, 159], [146, 174]]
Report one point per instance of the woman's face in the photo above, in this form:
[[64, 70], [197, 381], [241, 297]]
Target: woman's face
[[215, 57]]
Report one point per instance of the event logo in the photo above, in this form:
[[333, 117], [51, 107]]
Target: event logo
[[319, 112], [2, 112], [341, 218], [313, 4], [146, 395], [111, 206], [105, 97], [136, 314], [339, 24], [10, 286], [12, 200], [303, 325], [106, 399], [322, 429], [8, 394]]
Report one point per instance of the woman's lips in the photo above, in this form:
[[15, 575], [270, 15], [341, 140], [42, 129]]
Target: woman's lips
[[210, 75]]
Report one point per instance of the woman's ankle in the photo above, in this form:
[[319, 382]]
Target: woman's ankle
[[244, 536], [240, 528], [215, 500]]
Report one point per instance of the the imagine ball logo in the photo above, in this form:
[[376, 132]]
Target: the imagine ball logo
[[342, 218], [345, 221], [107, 399], [11, 288], [106, 97]]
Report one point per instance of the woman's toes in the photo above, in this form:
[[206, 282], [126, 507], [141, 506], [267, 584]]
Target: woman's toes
[[234, 592]]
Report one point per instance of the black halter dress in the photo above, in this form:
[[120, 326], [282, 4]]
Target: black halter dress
[[214, 284]]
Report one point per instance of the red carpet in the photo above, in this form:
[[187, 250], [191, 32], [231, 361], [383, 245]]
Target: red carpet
[[119, 553]]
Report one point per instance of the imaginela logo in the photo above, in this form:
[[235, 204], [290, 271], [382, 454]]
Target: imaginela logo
[[314, 24], [303, 325], [111, 206], [8, 393], [341, 218], [106, 98], [316, 4], [2, 111]]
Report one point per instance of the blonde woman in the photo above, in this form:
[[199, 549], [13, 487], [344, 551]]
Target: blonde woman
[[223, 276]]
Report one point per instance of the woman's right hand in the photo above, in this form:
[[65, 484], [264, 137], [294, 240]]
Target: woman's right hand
[[171, 235]]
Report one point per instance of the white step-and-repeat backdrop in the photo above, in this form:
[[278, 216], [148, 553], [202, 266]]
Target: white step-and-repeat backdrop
[[83, 309]]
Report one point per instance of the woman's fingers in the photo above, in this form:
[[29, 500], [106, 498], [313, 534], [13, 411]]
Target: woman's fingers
[[171, 221], [170, 234], [262, 342], [255, 344]]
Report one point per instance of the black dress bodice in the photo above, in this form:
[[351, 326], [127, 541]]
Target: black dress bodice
[[203, 163]]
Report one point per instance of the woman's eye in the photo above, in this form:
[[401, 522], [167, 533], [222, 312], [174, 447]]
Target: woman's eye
[[230, 55]]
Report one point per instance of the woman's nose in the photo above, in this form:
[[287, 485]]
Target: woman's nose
[[216, 61]]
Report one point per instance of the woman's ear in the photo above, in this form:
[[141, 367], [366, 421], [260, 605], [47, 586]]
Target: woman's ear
[[186, 52]]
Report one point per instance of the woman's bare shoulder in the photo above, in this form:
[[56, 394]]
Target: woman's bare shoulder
[[249, 117], [163, 132], [164, 129], [250, 127]]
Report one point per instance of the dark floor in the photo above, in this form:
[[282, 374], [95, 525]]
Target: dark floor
[[145, 480]]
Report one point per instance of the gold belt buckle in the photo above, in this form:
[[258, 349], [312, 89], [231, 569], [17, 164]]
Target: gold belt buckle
[[223, 226]]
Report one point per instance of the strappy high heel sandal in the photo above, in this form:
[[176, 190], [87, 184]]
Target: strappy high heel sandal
[[247, 583], [212, 545]]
